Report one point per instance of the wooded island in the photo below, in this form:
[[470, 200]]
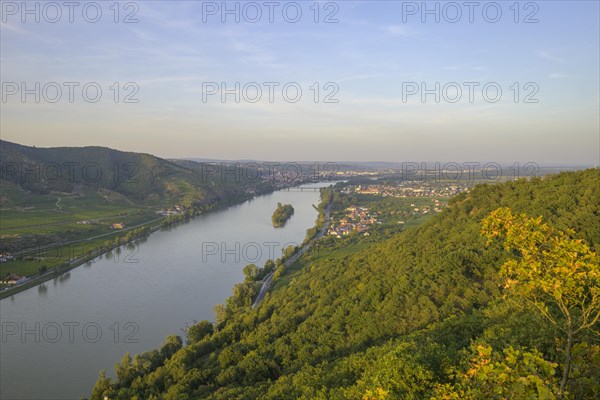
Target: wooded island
[[282, 214]]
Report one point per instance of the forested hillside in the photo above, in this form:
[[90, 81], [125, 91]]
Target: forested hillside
[[72, 170], [431, 313]]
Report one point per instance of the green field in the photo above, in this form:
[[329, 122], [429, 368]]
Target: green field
[[34, 221]]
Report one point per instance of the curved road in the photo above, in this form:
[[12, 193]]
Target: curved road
[[269, 278]]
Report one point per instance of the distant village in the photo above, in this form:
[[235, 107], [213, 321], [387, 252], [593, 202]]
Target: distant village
[[176, 210], [359, 219], [13, 279], [4, 257], [410, 189], [10, 279], [117, 225], [356, 219]]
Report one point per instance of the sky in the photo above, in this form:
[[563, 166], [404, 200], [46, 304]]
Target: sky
[[364, 81]]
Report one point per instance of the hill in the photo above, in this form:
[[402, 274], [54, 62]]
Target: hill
[[423, 314], [72, 169], [65, 195]]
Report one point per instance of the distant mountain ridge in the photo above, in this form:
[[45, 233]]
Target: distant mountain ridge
[[51, 197], [251, 163], [138, 176]]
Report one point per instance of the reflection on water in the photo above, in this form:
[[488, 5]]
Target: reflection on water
[[62, 278], [42, 289]]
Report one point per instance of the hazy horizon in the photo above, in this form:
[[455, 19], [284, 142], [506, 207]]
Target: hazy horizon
[[367, 56], [363, 162]]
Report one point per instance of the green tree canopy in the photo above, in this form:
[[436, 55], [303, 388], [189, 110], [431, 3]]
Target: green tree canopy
[[556, 274]]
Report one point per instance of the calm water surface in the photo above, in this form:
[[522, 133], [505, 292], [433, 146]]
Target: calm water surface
[[57, 336]]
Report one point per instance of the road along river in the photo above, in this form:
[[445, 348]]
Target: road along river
[[58, 335]]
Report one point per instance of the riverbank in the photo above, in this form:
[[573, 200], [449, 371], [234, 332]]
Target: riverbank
[[189, 268], [313, 234], [99, 251], [55, 272], [102, 249]]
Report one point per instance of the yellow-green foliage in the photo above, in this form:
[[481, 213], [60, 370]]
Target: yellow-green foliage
[[397, 319]]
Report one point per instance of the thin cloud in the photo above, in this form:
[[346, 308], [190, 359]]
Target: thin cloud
[[551, 57], [454, 67], [558, 75], [5, 26], [400, 30]]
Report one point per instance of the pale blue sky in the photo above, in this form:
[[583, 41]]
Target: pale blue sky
[[370, 54]]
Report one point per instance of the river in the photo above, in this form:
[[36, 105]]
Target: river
[[57, 336]]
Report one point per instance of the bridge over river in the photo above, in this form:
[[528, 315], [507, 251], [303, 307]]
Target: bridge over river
[[302, 189]]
